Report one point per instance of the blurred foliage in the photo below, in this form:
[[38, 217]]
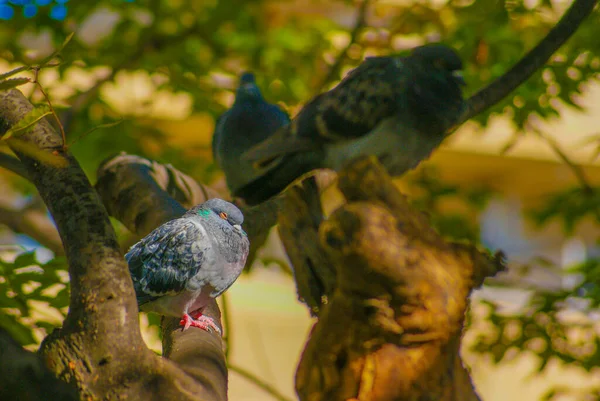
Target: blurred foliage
[[150, 77], [452, 209], [32, 295]]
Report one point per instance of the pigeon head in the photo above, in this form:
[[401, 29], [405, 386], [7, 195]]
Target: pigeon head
[[221, 209], [248, 88], [442, 58]]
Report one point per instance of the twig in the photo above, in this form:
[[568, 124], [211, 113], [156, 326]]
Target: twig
[[576, 169], [358, 27], [36, 72], [259, 383], [535, 59], [107, 125], [227, 323]]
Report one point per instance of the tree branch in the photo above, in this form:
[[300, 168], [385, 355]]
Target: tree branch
[[392, 328], [299, 220], [532, 61], [99, 348]]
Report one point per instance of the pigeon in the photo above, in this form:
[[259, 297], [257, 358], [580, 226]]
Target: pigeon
[[249, 121], [181, 265], [398, 108]]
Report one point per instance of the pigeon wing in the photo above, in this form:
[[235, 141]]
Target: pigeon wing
[[164, 262], [364, 98]]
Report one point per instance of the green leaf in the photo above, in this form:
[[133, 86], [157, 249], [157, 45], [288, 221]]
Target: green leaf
[[13, 83], [29, 120]]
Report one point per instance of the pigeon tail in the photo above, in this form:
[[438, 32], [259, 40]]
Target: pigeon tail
[[281, 143], [278, 178]]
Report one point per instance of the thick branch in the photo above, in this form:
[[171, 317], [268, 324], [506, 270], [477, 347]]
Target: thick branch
[[99, 348], [392, 328], [143, 195], [299, 221], [532, 61], [90, 246]]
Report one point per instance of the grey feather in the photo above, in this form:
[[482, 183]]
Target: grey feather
[[180, 265]]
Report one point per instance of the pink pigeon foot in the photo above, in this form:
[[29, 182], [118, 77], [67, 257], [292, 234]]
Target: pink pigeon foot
[[201, 321]]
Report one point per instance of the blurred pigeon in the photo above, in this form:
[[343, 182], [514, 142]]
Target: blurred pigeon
[[249, 121], [398, 108], [179, 266]]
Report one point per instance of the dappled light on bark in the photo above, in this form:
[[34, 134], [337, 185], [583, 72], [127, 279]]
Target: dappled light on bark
[[392, 328]]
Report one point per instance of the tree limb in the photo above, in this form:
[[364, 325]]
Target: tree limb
[[532, 61], [99, 348], [299, 220], [392, 328]]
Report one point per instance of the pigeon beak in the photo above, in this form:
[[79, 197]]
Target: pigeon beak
[[458, 77]]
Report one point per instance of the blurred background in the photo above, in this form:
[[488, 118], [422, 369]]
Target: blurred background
[[151, 77]]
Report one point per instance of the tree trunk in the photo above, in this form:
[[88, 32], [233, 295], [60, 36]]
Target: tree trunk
[[391, 329]]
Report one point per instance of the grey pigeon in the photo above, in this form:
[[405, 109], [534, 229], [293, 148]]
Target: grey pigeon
[[179, 266], [398, 108], [249, 121]]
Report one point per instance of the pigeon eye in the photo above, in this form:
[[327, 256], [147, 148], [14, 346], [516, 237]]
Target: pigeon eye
[[223, 215]]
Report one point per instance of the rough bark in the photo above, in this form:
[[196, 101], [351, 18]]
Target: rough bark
[[99, 349], [413, 301], [299, 221], [392, 328], [143, 195]]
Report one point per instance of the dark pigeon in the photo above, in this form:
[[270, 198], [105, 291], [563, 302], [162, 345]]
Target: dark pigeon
[[249, 121], [398, 108]]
